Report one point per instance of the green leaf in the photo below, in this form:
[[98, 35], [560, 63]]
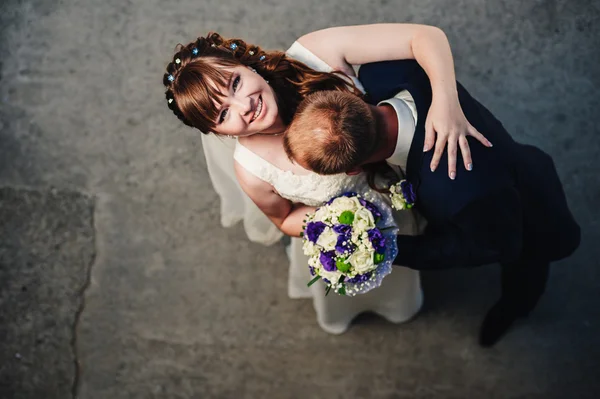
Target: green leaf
[[342, 290], [347, 217], [378, 258], [314, 280], [327, 290]]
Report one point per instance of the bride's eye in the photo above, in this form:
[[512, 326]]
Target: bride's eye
[[236, 83], [223, 115], [234, 86]]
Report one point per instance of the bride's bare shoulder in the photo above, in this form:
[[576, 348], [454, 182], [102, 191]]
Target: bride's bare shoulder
[[268, 147]]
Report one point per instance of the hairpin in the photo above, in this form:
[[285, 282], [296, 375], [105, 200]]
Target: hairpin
[[233, 46], [262, 57], [171, 78], [170, 100], [251, 52], [178, 61], [213, 45], [195, 51]]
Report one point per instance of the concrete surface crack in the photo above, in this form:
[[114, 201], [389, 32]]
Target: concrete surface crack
[[81, 308]]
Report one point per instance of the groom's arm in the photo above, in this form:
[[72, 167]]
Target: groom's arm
[[486, 231]]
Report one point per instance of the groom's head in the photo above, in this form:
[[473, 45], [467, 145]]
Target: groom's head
[[332, 132]]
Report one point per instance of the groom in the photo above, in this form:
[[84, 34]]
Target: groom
[[510, 208]]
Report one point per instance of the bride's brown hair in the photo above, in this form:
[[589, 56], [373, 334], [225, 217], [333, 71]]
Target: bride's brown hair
[[196, 67]]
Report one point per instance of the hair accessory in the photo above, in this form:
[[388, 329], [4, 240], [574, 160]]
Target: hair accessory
[[262, 57], [213, 45], [233, 46], [171, 78], [195, 51], [170, 100], [177, 61], [252, 69], [251, 52]]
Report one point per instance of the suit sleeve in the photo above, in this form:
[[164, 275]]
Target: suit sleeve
[[485, 231]]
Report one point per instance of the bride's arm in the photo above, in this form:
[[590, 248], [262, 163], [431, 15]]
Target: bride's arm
[[341, 47], [288, 217]]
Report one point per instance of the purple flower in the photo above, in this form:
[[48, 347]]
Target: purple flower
[[344, 229], [377, 240], [312, 271], [344, 232], [359, 278], [344, 244], [372, 208], [328, 260], [408, 192], [313, 231]]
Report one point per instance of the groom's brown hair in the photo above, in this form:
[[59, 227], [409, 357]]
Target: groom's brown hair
[[332, 132]]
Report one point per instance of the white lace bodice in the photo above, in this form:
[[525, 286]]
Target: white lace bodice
[[310, 189]]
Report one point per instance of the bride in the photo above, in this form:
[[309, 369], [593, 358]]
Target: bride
[[232, 88]]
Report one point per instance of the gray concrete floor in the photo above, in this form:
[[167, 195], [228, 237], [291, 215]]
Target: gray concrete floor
[[116, 280]]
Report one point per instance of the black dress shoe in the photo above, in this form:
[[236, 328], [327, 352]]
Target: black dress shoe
[[498, 321]]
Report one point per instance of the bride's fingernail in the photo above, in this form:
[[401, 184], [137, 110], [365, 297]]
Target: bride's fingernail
[[425, 148], [452, 175], [490, 143], [470, 166]]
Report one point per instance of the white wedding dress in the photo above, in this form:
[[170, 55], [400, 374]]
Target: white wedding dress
[[399, 297]]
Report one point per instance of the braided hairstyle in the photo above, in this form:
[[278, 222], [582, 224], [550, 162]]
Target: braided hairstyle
[[196, 72]]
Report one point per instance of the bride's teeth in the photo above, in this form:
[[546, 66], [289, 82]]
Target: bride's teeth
[[258, 109]]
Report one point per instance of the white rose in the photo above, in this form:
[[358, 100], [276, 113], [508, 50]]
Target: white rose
[[333, 276], [342, 204], [310, 249], [362, 261], [397, 202], [322, 214], [327, 239], [363, 220]]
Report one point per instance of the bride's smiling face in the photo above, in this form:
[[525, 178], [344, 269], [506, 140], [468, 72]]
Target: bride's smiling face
[[248, 105]]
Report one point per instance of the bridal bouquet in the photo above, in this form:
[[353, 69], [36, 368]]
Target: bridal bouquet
[[351, 244]]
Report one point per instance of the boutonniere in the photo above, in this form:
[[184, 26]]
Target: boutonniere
[[403, 195]]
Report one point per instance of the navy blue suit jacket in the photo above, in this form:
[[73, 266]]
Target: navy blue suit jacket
[[511, 204]]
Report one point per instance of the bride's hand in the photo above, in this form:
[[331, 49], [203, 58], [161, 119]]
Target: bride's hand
[[447, 120]]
